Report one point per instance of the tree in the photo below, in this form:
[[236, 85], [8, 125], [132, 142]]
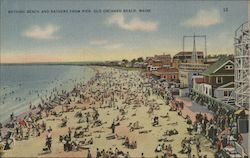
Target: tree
[[125, 61], [140, 59], [133, 61]]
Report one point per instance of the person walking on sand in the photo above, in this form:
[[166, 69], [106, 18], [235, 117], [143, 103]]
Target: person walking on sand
[[98, 153], [89, 154], [113, 127], [49, 140], [142, 155], [69, 132]]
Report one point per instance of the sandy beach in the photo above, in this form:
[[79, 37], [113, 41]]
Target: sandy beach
[[114, 110]]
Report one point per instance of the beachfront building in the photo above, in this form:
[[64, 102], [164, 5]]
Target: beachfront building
[[186, 57], [169, 74], [158, 61], [200, 86], [217, 81], [154, 65], [165, 59], [211, 60], [219, 73], [188, 70], [139, 65], [225, 93], [129, 64]]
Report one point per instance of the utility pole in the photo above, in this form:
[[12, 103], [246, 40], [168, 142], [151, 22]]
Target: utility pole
[[194, 54]]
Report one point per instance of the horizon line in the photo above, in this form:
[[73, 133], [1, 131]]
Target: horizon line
[[54, 62]]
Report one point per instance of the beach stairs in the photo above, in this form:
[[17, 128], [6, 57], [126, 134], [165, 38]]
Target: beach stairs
[[229, 101]]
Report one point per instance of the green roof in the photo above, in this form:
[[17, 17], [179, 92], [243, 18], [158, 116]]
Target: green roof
[[215, 66]]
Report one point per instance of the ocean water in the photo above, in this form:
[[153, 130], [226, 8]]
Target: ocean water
[[22, 85]]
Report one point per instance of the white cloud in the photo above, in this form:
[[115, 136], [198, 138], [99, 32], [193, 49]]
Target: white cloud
[[136, 24], [98, 42], [38, 32], [204, 18]]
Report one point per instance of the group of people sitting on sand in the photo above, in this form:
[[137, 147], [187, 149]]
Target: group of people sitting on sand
[[165, 149], [129, 144], [134, 126], [171, 132], [155, 121], [21, 129], [109, 154]]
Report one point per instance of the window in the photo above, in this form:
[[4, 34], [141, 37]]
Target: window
[[219, 80], [227, 93], [229, 67]]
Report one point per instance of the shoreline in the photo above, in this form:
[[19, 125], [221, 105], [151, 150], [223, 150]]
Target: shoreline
[[26, 112]]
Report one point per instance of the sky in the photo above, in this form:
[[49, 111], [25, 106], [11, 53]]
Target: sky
[[48, 36]]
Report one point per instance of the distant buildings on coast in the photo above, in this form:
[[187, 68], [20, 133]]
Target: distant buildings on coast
[[211, 76]]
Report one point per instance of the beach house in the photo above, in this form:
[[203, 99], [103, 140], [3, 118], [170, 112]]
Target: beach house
[[217, 81]]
